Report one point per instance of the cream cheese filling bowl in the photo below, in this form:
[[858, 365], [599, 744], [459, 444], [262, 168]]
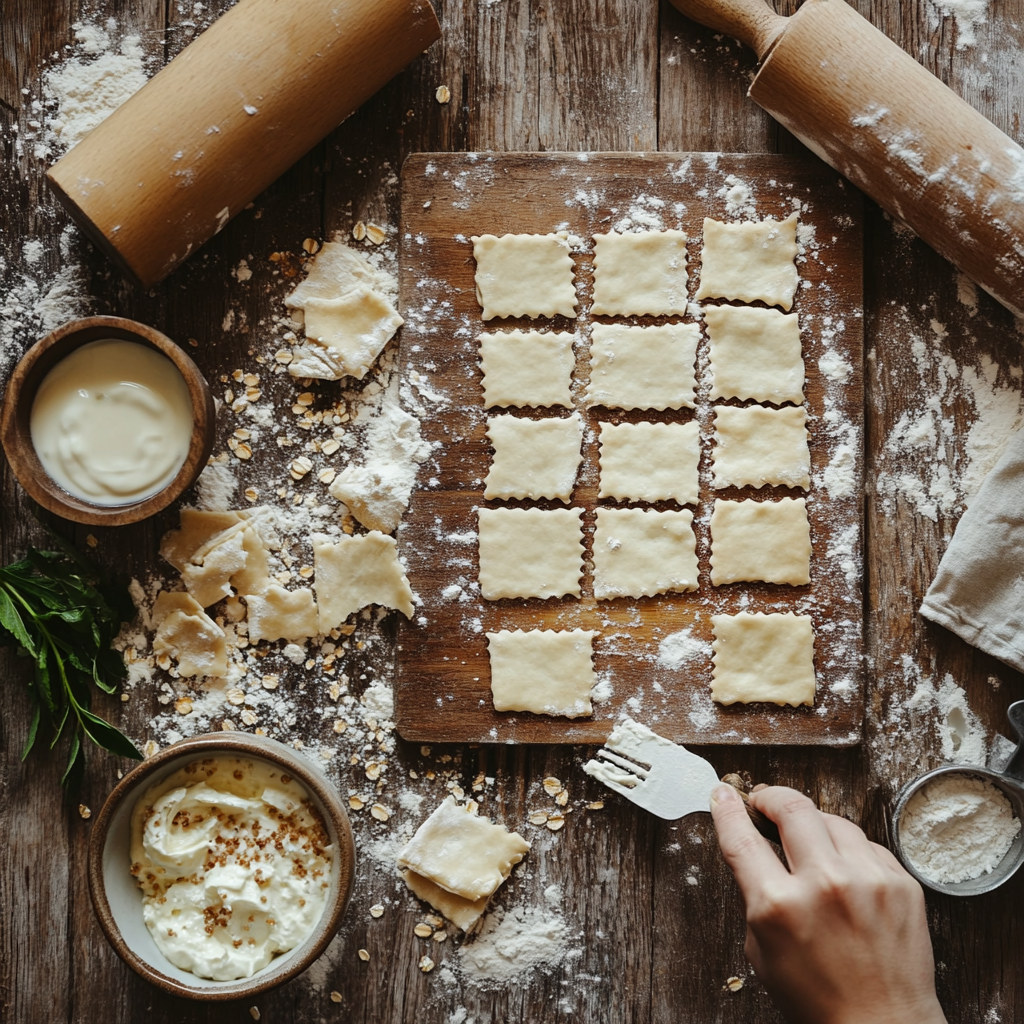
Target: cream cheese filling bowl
[[234, 863], [119, 902], [112, 422]]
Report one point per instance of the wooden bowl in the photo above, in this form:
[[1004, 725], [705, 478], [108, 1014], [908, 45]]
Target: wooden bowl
[[117, 899], [16, 435]]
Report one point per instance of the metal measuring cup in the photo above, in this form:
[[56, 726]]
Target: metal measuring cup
[[1010, 781]]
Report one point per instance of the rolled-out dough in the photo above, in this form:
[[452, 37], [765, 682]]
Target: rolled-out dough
[[650, 461], [637, 273], [527, 368], [641, 553], [534, 458], [524, 275], [760, 540], [757, 446]]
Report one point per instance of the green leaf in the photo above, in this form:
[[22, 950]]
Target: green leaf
[[74, 773], [60, 727], [44, 682], [107, 736], [11, 620], [73, 756], [33, 731]]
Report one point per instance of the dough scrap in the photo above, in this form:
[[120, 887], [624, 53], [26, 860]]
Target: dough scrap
[[534, 458], [254, 576], [186, 633], [353, 572], [530, 552], [524, 275], [210, 581], [354, 329], [462, 852], [755, 353], [640, 273], [757, 446], [527, 368], [463, 913], [760, 540], [196, 530], [643, 367], [544, 671], [641, 553], [750, 262], [279, 614], [650, 461], [763, 658], [348, 315]]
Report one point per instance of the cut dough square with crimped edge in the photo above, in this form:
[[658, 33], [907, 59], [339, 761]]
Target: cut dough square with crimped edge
[[530, 552], [463, 852], [524, 275], [640, 273], [643, 367], [534, 458], [755, 353], [650, 461], [641, 553], [767, 541], [750, 262], [527, 368], [279, 614], [757, 446], [545, 671], [766, 658]]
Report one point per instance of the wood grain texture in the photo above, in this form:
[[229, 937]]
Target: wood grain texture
[[656, 947], [443, 651]]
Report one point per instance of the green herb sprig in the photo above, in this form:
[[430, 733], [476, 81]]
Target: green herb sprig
[[56, 611]]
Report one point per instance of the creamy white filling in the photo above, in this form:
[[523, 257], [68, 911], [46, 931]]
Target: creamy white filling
[[234, 864]]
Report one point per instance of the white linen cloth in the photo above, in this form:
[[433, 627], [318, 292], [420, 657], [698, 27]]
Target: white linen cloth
[[978, 591]]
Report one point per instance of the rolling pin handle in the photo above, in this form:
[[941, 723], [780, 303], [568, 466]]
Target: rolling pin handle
[[1015, 767], [750, 21]]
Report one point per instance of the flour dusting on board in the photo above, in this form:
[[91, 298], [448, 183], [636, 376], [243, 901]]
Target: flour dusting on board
[[967, 14]]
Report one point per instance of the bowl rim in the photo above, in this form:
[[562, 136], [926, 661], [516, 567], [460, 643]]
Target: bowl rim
[[28, 374], [208, 744]]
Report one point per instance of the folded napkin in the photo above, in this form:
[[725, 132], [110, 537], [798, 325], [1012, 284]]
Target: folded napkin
[[978, 592]]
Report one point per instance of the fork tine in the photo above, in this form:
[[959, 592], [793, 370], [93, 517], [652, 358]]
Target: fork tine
[[630, 766]]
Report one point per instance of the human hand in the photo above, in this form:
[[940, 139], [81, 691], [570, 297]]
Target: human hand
[[840, 937]]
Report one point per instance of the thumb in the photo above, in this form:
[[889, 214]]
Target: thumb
[[747, 853]]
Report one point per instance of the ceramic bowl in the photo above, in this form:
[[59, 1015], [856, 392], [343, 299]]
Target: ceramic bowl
[[118, 900], [16, 435]]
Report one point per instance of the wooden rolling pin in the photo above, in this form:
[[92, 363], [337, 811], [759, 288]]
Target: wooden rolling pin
[[870, 110], [234, 110]]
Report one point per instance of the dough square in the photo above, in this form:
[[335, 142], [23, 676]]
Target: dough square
[[640, 273], [527, 368], [641, 553], [755, 353], [763, 658], [757, 446], [544, 671], [524, 275], [643, 367], [750, 262], [463, 913], [650, 461], [534, 458], [760, 540], [462, 852], [530, 552], [353, 572]]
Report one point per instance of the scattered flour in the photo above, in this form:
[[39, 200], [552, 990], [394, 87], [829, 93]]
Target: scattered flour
[[217, 486], [512, 943], [679, 648], [968, 15], [957, 827], [90, 87]]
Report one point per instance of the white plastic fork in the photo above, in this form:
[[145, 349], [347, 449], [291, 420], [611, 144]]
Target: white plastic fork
[[661, 776]]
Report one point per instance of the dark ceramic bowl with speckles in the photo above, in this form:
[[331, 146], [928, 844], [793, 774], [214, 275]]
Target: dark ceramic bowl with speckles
[[118, 900]]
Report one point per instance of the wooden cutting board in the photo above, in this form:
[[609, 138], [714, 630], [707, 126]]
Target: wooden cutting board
[[443, 685]]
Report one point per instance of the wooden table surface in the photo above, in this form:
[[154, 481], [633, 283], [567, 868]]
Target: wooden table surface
[[535, 75]]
